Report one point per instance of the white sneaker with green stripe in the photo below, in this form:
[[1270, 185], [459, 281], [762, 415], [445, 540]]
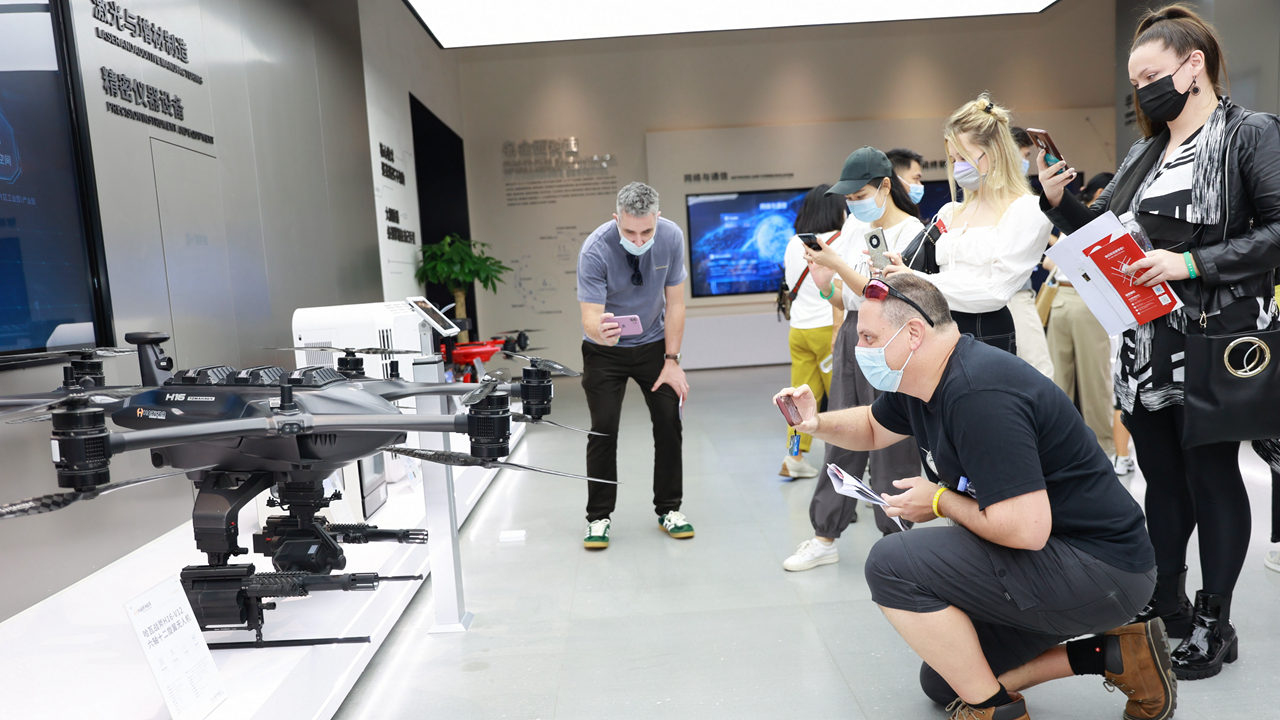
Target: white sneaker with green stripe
[[597, 537], [676, 525]]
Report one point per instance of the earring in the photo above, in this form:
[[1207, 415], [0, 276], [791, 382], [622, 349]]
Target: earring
[[1195, 89]]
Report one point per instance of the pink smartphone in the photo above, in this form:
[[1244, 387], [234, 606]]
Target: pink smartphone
[[789, 410], [630, 324]]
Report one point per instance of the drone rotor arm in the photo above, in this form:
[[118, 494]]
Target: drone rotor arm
[[406, 423]]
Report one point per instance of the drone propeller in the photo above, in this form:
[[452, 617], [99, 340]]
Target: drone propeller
[[350, 352], [57, 501], [40, 404], [487, 385], [520, 330], [444, 457], [81, 353], [520, 417], [544, 364]]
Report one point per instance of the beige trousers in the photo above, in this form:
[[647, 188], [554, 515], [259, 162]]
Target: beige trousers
[[1032, 345], [1081, 354]]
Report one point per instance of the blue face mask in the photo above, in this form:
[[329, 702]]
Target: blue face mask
[[637, 249], [876, 369], [631, 247], [916, 192], [1026, 166], [866, 210]]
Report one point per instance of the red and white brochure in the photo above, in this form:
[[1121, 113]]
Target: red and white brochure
[[1095, 259], [1113, 256]]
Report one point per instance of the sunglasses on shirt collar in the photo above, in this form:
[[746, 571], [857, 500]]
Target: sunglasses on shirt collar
[[877, 289], [634, 262]]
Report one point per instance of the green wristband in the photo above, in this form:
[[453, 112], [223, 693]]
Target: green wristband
[[1191, 265], [831, 290]]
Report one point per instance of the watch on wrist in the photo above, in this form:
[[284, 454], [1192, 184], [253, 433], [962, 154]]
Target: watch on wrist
[[672, 356]]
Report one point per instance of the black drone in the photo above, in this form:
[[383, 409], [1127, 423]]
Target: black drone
[[239, 432]]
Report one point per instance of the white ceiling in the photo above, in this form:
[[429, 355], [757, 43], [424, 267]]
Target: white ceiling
[[470, 23]]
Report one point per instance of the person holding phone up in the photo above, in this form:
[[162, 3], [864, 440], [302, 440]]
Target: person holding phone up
[[995, 235], [633, 265], [812, 318], [877, 200], [1204, 183]]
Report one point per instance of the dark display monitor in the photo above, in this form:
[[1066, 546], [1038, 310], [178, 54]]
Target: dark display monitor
[[737, 240], [51, 293]]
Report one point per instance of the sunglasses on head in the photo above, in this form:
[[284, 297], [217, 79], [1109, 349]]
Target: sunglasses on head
[[634, 262], [879, 290]]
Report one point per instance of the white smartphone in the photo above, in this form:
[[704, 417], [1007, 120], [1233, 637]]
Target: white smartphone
[[876, 247]]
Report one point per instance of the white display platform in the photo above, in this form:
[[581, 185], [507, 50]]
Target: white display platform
[[75, 654]]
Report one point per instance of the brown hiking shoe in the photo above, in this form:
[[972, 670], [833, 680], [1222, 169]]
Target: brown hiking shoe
[[1016, 710], [1146, 671]]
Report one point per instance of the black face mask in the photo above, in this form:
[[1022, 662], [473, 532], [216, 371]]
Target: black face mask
[[1160, 100]]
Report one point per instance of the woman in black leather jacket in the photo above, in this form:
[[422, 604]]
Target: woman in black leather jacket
[[1205, 186]]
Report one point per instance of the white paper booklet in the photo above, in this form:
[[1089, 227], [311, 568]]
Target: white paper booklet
[[852, 486]]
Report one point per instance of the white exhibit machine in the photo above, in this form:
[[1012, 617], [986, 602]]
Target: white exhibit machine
[[91, 630]]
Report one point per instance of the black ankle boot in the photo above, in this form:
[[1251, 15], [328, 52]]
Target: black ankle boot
[[1212, 640], [1169, 602]]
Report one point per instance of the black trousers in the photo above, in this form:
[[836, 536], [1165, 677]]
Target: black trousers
[[605, 372], [994, 328], [1189, 488]]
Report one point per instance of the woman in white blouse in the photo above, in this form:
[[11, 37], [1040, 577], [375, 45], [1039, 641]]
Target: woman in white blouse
[[995, 236]]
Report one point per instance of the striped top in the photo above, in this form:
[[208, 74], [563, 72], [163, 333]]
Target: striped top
[[1167, 188]]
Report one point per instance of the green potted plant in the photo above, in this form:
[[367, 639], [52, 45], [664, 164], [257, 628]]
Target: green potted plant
[[456, 263]]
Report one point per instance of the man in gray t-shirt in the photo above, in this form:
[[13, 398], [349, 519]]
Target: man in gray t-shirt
[[631, 290]]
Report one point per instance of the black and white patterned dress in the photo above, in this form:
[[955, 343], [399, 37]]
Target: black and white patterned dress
[[1151, 365]]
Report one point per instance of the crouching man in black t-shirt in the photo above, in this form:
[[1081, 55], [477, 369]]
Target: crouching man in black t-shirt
[[1044, 544]]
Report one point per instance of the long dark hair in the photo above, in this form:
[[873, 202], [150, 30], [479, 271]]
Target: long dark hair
[[819, 212], [900, 195], [1179, 28]]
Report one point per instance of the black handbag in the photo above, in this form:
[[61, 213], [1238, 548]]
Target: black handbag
[[921, 254], [1232, 387]]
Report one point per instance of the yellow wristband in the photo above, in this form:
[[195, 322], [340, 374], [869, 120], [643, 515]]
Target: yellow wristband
[[936, 496]]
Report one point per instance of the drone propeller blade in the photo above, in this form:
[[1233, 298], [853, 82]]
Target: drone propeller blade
[[39, 407], [520, 330], [345, 350], [544, 364], [545, 471], [521, 417], [97, 396], [57, 501], [487, 385], [444, 457], [68, 353]]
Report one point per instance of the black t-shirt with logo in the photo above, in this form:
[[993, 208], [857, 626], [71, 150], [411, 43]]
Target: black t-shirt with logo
[[1008, 430]]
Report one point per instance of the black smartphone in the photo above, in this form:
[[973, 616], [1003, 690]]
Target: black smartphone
[[810, 241]]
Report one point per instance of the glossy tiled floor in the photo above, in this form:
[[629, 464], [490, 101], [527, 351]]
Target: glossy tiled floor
[[712, 627]]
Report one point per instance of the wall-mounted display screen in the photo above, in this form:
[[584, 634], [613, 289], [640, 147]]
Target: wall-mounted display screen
[[48, 288], [737, 240]]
